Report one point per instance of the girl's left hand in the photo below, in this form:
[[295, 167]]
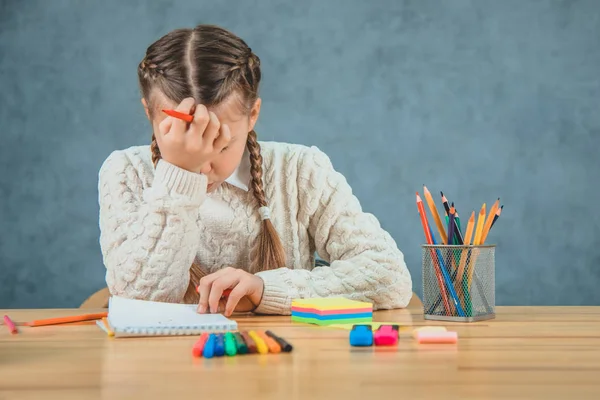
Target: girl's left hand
[[246, 291]]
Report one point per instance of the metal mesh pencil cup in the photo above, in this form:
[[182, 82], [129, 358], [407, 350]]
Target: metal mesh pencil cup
[[459, 283]]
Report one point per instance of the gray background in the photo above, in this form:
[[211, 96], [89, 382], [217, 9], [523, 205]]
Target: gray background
[[479, 99]]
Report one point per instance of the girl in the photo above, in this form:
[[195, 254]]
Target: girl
[[206, 207]]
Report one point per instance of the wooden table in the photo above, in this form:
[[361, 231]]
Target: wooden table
[[525, 353]]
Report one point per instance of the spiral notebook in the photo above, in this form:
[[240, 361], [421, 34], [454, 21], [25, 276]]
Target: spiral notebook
[[128, 317]]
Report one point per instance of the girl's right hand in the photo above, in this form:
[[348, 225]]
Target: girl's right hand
[[191, 146]]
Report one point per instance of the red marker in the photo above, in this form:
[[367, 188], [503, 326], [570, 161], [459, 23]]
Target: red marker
[[199, 345], [177, 114]]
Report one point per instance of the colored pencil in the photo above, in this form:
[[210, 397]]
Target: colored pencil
[[179, 115], [436, 262], [451, 217], [479, 229], [497, 215], [64, 320], [445, 203], [489, 220], [446, 275], [10, 325], [436, 215], [467, 241]]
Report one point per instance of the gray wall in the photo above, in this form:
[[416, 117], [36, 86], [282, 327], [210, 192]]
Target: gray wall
[[479, 99]]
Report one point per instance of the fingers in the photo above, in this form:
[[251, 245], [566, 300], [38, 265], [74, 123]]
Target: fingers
[[218, 286], [205, 287], [234, 298], [164, 127], [212, 129], [186, 106], [223, 139]]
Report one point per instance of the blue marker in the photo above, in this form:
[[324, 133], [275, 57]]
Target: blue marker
[[361, 335], [219, 345], [209, 347]]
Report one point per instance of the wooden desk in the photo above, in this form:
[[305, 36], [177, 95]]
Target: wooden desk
[[525, 353]]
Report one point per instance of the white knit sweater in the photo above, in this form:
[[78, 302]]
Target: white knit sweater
[[156, 222]]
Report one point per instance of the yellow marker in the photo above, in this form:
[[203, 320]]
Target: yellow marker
[[261, 346], [488, 222], [436, 216], [479, 230]]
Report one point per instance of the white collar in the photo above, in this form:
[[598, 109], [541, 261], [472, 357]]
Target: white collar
[[241, 176]]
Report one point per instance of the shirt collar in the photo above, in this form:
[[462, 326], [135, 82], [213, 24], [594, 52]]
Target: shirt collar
[[241, 176]]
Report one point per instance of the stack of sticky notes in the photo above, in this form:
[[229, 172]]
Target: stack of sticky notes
[[331, 310]]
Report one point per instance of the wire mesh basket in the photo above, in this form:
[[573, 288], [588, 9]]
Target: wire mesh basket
[[459, 282]]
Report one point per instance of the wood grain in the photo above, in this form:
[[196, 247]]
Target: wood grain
[[525, 353]]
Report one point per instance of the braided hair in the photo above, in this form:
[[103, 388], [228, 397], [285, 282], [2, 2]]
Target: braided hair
[[210, 64]]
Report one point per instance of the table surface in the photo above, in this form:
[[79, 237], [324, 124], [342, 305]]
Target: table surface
[[524, 353]]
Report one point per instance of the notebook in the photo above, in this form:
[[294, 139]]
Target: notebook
[[128, 317]]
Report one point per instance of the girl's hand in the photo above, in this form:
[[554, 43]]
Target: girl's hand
[[190, 146], [246, 291]]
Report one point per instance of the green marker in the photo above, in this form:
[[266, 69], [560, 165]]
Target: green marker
[[242, 348], [230, 347]]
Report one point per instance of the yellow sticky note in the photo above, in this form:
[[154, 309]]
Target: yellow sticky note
[[330, 303]]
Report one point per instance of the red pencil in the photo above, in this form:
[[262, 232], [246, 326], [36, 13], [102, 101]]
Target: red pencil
[[177, 114]]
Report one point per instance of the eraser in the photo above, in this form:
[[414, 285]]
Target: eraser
[[386, 335], [428, 329], [361, 335], [424, 337]]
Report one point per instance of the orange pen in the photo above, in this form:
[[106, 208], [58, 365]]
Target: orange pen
[[274, 347], [179, 115]]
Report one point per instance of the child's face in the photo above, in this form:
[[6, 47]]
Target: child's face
[[240, 123]]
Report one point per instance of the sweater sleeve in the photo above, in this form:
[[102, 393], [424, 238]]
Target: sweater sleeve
[[366, 264], [148, 237]]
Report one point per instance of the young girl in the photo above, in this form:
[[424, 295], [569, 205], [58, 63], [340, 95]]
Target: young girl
[[206, 207]]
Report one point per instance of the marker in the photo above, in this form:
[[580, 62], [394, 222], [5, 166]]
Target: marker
[[249, 342], [274, 347], [199, 345], [361, 335], [230, 347], [261, 346], [219, 345], [179, 115], [386, 335], [242, 348], [285, 346], [10, 325], [209, 347]]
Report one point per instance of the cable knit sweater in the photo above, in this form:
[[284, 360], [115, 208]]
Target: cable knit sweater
[[155, 223]]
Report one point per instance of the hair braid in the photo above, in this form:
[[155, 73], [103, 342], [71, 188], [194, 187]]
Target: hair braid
[[155, 151], [270, 250]]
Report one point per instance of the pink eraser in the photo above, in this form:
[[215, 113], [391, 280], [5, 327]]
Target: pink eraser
[[437, 337], [386, 335]]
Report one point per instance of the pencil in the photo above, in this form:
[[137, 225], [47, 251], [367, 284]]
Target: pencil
[[436, 262], [64, 320], [179, 115], [436, 215], [451, 218], [445, 203], [479, 229], [10, 325], [489, 220], [497, 215]]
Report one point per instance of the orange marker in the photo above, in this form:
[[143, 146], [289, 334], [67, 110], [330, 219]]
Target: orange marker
[[274, 347], [179, 115], [65, 320], [10, 325]]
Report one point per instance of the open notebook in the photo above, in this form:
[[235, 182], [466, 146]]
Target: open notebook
[[128, 317]]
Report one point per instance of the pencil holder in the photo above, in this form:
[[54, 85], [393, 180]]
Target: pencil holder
[[459, 283]]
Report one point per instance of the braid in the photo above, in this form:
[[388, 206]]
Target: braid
[[270, 250], [155, 151]]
